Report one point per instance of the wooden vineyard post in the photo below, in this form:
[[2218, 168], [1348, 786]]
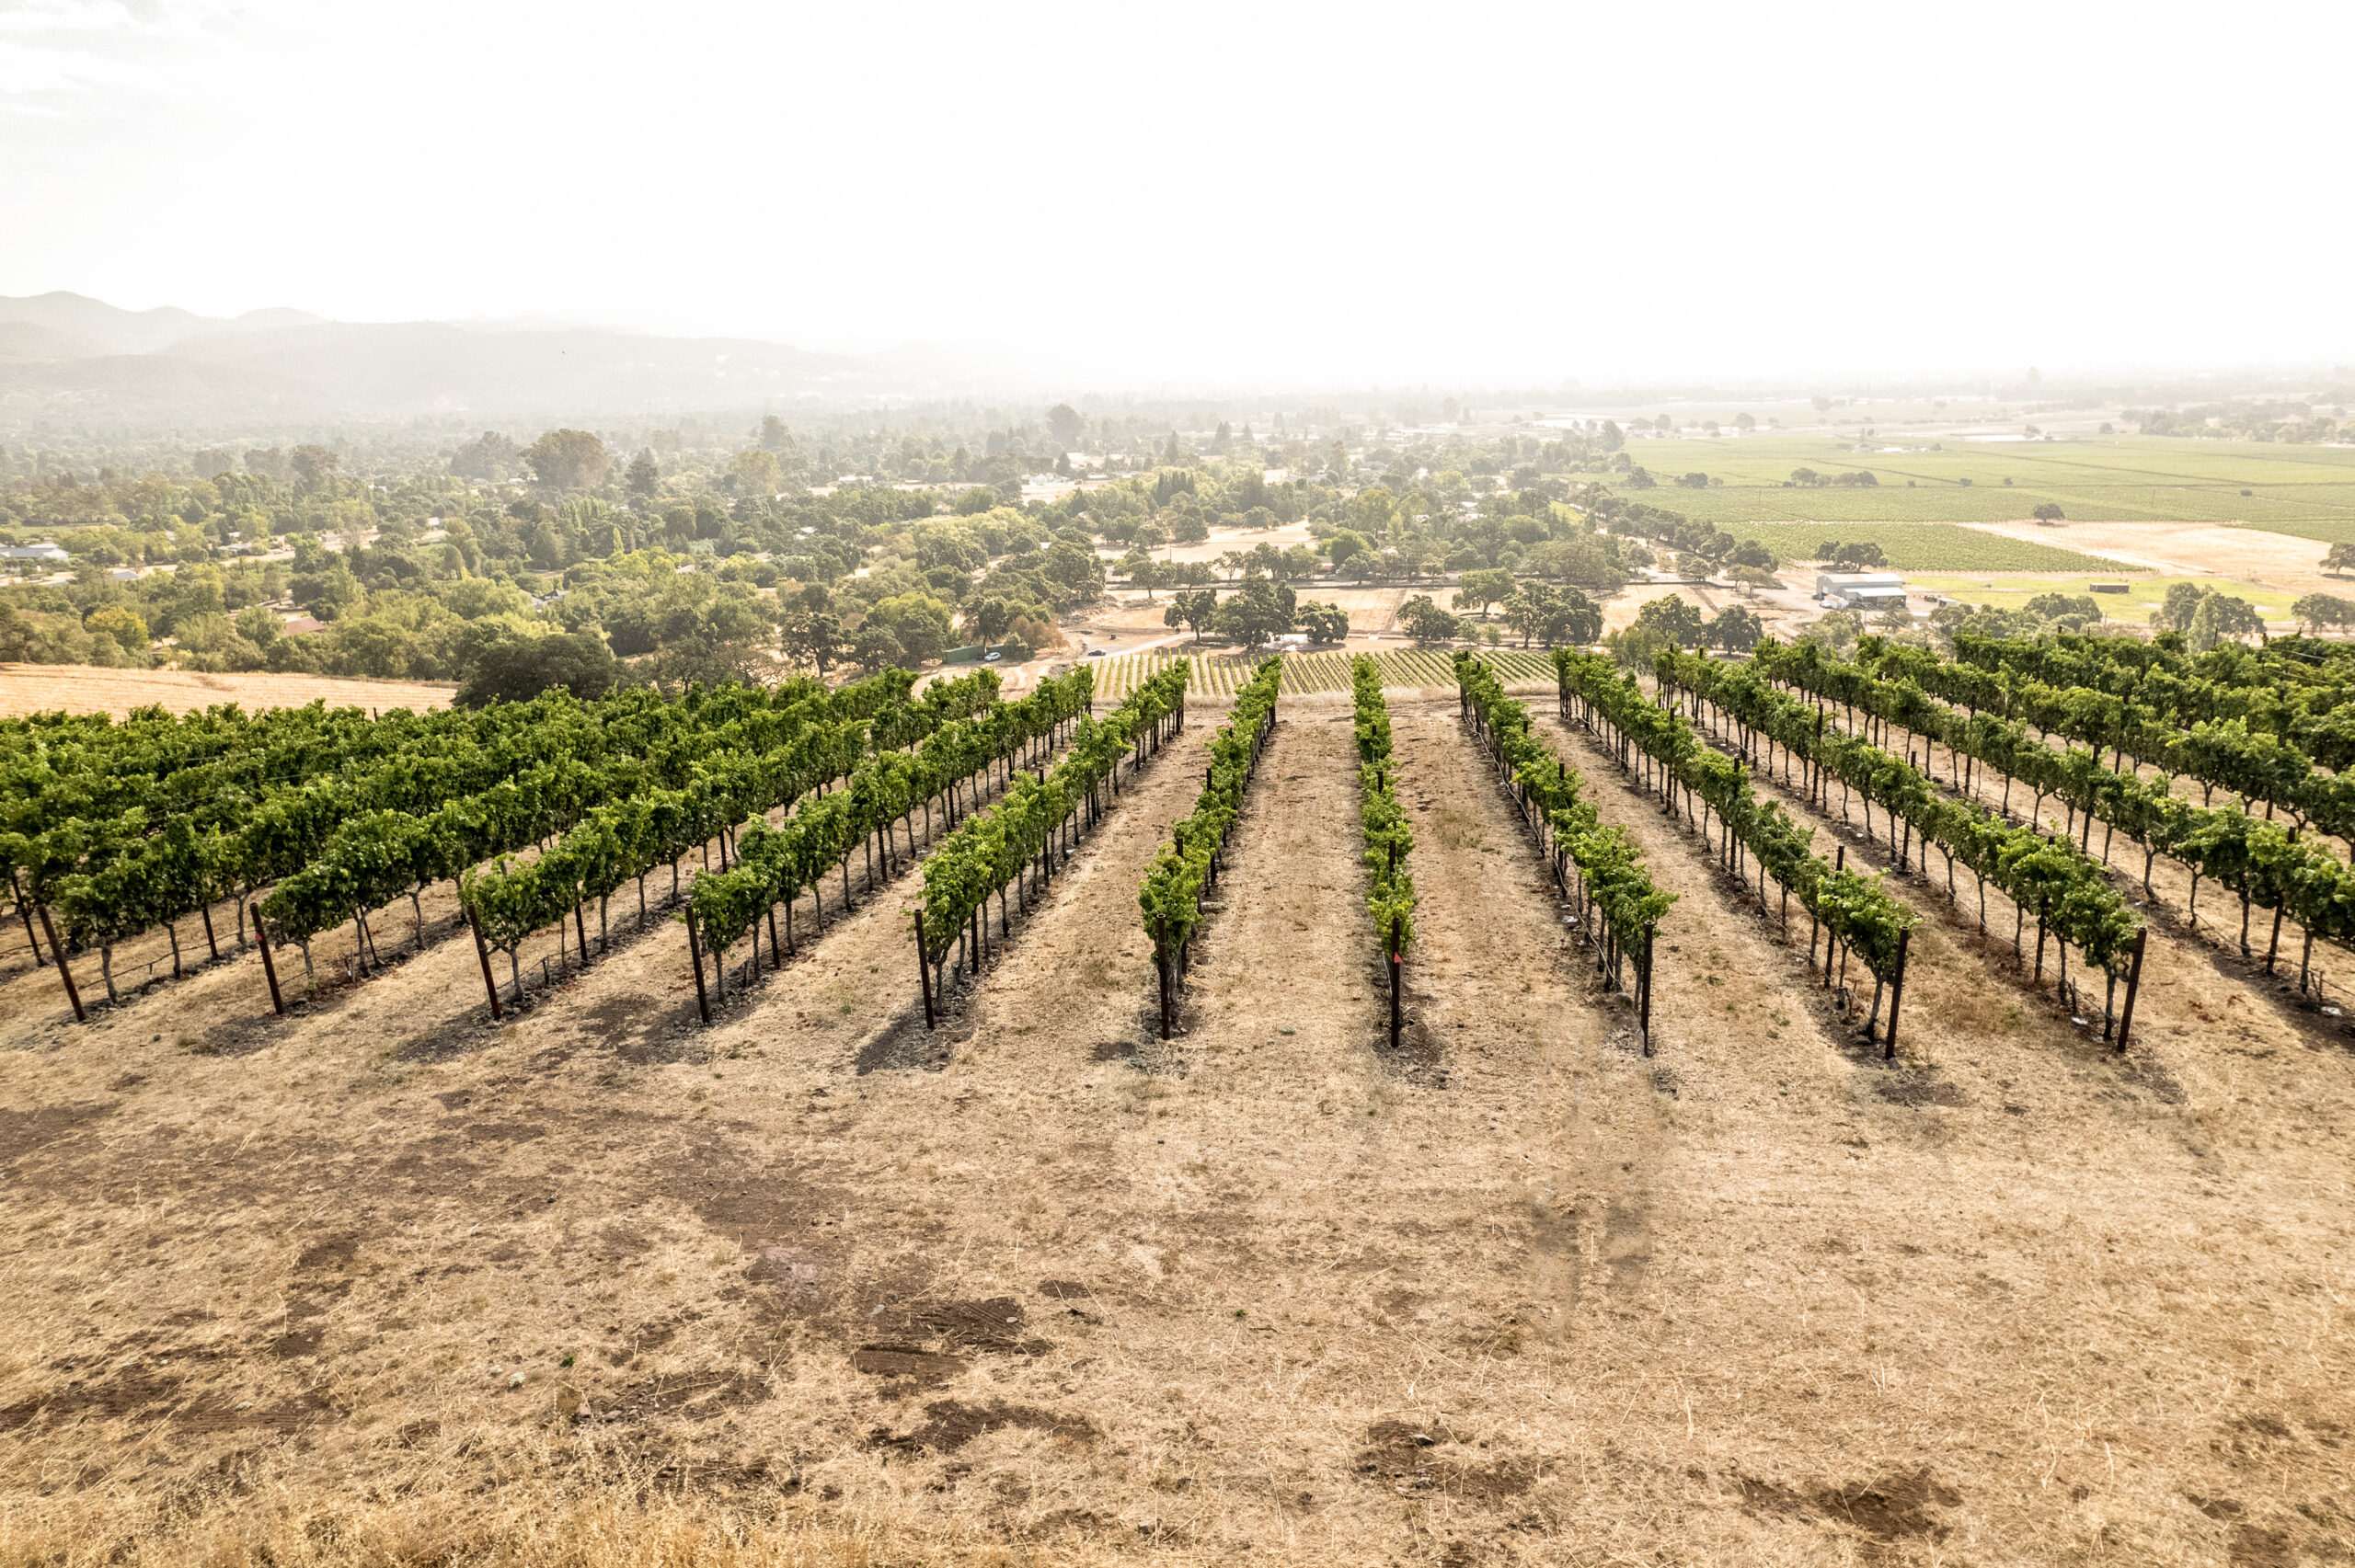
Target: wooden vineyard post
[[482, 956], [65, 970], [269, 963], [1644, 993], [695, 956], [580, 929], [25, 913], [2125, 1020], [924, 975], [1896, 995], [1397, 975], [1161, 970]]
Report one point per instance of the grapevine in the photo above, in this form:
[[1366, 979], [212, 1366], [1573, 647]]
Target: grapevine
[[1022, 839], [1611, 888], [1853, 913], [1188, 866]]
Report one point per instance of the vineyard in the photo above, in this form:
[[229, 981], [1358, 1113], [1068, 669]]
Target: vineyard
[[1308, 674], [1415, 1056]]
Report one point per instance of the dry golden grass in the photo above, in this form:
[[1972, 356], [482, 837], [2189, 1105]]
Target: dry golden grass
[[90, 689], [809, 1286]]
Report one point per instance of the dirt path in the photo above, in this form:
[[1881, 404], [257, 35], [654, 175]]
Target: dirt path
[[1304, 926], [1732, 999], [1514, 1010]]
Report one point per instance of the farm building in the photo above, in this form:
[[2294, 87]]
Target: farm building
[[1859, 590], [45, 550]]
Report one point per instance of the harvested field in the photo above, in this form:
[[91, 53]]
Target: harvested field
[[92, 689], [388, 1283]]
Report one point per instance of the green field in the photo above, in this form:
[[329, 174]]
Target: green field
[[1924, 546], [2144, 593], [2321, 530], [2293, 489]]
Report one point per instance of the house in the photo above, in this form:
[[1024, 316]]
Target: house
[[1859, 590], [45, 550]]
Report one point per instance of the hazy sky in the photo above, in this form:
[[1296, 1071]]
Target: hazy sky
[[1300, 193]]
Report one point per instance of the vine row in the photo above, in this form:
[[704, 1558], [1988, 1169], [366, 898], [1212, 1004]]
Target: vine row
[[2266, 865], [774, 865], [1390, 897], [1849, 912], [1187, 867], [2048, 877], [1025, 838], [1611, 890]]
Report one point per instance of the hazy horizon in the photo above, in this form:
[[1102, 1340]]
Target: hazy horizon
[[1311, 198]]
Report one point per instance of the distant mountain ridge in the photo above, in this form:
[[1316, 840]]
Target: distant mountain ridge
[[95, 326], [66, 356]]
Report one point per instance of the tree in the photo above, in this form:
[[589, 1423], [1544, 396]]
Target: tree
[[873, 649], [1579, 618], [490, 456], [313, 467], [1346, 546], [1539, 610], [2220, 616], [517, 667], [1064, 424], [918, 623], [644, 478], [1325, 622], [2339, 558], [2175, 612], [2315, 611], [988, 619], [810, 631], [1734, 629], [2049, 511], [754, 472], [1191, 610], [122, 623], [1837, 631], [1424, 621], [1675, 620], [1862, 555], [2074, 609], [1482, 587], [569, 460], [1636, 649], [1259, 612]]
